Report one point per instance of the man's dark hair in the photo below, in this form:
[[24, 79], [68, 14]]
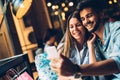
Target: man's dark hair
[[97, 5]]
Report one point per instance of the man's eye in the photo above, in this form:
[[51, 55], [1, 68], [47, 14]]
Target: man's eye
[[90, 15]]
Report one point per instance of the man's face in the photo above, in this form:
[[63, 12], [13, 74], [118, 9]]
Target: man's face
[[89, 19]]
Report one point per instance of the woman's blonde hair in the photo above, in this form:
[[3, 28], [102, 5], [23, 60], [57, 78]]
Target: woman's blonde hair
[[69, 41]]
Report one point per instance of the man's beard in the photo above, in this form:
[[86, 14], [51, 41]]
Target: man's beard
[[96, 26]]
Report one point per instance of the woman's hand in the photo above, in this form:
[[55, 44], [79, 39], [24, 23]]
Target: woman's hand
[[90, 43], [91, 39]]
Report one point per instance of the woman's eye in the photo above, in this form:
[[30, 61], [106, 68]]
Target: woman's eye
[[70, 26], [78, 25], [82, 19], [89, 15]]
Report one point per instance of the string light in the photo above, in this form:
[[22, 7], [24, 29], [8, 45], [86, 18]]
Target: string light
[[61, 8], [110, 2], [115, 1], [63, 4], [63, 16], [71, 4], [53, 7], [56, 6], [66, 9], [56, 12], [49, 4]]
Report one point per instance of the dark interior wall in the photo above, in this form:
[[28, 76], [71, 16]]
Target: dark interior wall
[[39, 20], [12, 32]]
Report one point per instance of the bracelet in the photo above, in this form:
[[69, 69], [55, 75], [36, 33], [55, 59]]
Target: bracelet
[[77, 73]]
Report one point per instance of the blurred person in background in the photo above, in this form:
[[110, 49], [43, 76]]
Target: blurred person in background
[[50, 38]]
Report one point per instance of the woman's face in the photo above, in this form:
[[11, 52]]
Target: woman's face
[[77, 30]]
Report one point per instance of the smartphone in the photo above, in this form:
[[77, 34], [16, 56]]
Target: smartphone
[[52, 52]]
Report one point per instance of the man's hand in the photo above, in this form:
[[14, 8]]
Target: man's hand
[[62, 66]]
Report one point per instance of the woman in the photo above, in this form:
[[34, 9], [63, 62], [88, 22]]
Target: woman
[[75, 40]]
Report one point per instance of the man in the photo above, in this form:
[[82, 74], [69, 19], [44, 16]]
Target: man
[[108, 41]]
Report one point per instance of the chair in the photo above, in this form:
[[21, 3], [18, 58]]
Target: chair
[[19, 62]]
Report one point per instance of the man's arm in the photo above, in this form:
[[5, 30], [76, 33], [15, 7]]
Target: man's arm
[[104, 67], [67, 68]]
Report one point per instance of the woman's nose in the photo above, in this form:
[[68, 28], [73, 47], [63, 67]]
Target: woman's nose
[[75, 27]]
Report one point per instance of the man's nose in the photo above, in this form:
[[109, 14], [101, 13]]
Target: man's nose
[[87, 20]]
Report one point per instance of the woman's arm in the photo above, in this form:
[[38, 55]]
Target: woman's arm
[[90, 43]]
